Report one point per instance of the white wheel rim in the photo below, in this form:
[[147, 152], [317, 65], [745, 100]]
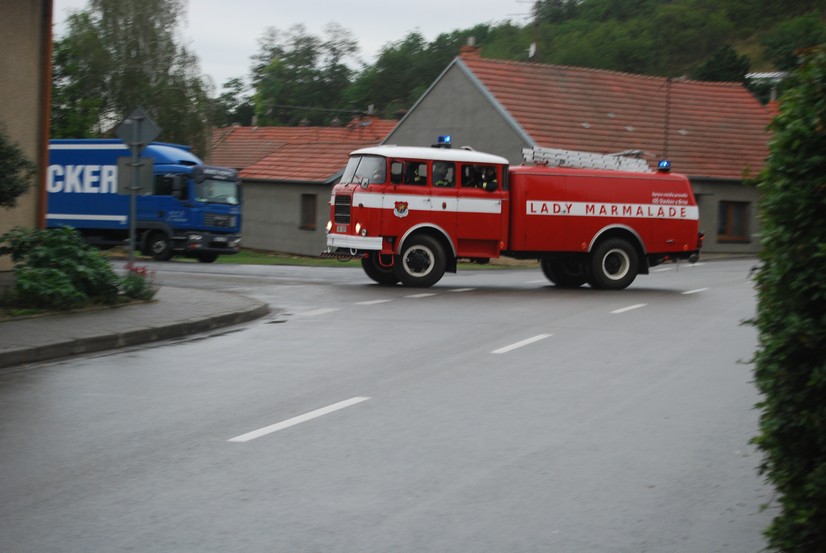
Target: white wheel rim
[[610, 257], [420, 250]]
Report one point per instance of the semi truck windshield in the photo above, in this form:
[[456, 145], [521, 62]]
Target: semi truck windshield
[[217, 192]]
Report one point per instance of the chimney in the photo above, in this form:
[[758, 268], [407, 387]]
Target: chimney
[[471, 50]]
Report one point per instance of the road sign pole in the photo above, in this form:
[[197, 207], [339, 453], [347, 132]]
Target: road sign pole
[[136, 131], [133, 190]]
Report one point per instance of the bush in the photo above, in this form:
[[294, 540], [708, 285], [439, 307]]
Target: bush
[[790, 364], [16, 171], [56, 269], [139, 283]]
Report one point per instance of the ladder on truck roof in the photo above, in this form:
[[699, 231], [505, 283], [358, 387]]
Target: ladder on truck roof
[[554, 157]]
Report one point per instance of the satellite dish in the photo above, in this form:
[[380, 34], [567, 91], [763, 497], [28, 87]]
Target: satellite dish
[[531, 50]]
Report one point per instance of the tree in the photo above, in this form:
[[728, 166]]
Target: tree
[[782, 43], [724, 65], [119, 54], [555, 11], [16, 170], [300, 78], [234, 105], [790, 364]]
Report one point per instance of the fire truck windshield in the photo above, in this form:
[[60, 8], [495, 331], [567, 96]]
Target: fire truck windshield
[[372, 168]]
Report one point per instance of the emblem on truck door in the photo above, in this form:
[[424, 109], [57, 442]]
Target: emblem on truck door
[[401, 209]]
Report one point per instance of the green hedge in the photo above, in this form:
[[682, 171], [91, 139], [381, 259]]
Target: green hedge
[[56, 269], [790, 364]]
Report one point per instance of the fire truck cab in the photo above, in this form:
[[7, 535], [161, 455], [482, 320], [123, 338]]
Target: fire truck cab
[[410, 213]]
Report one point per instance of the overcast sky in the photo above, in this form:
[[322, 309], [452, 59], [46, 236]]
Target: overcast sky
[[224, 34]]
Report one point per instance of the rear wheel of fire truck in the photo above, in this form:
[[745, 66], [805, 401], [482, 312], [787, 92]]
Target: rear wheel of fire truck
[[158, 246], [613, 265], [421, 263], [372, 266], [565, 273]]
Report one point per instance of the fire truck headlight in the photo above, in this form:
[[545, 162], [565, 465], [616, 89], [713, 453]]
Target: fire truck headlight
[[363, 232], [358, 228], [329, 226]]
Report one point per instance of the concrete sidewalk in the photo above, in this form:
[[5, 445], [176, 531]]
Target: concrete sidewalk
[[174, 312]]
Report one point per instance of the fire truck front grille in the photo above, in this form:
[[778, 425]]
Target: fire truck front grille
[[342, 211], [217, 220]]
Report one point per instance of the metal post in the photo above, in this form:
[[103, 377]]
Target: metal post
[[136, 123]]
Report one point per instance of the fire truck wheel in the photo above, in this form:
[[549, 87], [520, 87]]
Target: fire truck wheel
[[613, 265], [159, 247], [421, 263], [563, 273], [373, 268]]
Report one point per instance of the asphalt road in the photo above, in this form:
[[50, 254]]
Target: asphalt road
[[490, 413]]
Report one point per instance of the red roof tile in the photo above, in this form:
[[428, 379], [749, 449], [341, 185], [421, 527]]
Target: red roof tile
[[310, 154], [715, 129]]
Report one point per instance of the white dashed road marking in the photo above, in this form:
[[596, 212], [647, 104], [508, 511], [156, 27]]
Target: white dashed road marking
[[629, 308], [695, 291], [522, 343], [372, 302], [297, 420]]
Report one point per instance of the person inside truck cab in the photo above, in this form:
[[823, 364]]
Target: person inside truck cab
[[443, 174], [416, 173], [489, 181]]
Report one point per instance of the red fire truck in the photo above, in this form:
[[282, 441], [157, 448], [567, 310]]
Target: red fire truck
[[410, 213]]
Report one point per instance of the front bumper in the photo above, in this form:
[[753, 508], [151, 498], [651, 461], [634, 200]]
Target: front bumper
[[206, 242], [355, 243]]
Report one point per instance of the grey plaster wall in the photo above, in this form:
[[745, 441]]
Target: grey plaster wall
[[272, 217], [709, 194], [454, 106]]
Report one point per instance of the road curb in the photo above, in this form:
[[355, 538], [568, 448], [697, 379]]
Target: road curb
[[140, 335]]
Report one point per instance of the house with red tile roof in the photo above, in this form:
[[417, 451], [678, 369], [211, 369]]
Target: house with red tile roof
[[715, 133], [287, 174]]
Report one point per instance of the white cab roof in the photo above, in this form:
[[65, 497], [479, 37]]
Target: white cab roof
[[437, 154]]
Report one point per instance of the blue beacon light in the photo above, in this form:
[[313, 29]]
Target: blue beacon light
[[664, 166]]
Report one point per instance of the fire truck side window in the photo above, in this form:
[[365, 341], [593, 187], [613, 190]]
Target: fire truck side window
[[444, 174], [479, 176], [396, 172], [416, 173]]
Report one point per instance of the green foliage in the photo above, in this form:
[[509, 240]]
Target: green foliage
[[139, 283], [724, 65], [790, 365], [45, 288], [119, 54], [300, 79], [16, 172], [56, 269], [783, 43]]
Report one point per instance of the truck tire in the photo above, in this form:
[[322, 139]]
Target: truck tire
[[159, 247], [613, 265], [422, 262], [563, 273], [373, 268], [206, 257]]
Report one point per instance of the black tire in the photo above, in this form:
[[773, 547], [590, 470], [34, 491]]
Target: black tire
[[206, 257], [372, 267], [422, 262], [565, 273], [613, 265], [158, 247]]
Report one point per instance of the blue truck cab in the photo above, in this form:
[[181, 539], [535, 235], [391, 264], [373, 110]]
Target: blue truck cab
[[191, 210]]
